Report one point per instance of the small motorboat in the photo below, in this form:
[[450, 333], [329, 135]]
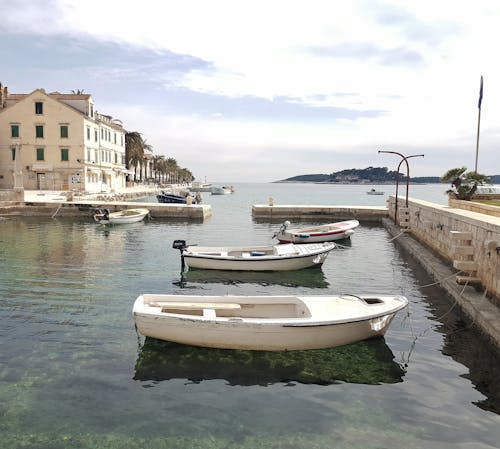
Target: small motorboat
[[104, 216], [200, 187], [314, 234], [265, 323], [374, 192], [224, 190], [171, 197], [253, 258]]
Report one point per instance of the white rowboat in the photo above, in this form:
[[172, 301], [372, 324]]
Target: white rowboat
[[314, 234], [121, 217], [374, 192], [268, 323], [254, 258]]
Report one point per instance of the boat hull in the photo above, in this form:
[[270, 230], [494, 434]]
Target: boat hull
[[120, 218], [257, 334], [171, 199], [293, 261], [319, 234]]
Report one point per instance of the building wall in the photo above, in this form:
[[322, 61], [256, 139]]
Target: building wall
[[95, 145]]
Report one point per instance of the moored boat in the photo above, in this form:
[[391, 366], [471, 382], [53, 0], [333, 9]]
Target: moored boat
[[270, 323], [104, 216], [254, 258], [224, 190], [374, 192], [314, 234]]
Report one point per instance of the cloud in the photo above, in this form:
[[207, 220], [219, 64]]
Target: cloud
[[266, 88], [370, 52]]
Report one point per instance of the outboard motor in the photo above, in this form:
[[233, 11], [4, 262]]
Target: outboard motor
[[282, 228], [181, 246]]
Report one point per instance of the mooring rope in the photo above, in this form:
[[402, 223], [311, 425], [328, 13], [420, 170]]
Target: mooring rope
[[60, 205]]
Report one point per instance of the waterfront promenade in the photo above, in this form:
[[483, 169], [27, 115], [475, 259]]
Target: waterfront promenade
[[61, 203]]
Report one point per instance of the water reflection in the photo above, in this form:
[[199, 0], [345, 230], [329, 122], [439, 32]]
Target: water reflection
[[310, 278], [482, 362], [368, 362]]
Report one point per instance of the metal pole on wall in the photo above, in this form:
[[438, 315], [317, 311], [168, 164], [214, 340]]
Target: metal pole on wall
[[478, 121], [403, 159]]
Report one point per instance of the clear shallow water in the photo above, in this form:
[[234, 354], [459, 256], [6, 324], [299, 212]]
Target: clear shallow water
[[74, 373]]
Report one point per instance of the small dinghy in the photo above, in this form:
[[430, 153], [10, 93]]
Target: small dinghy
[[253, 258], [104, 216], [314, 234], [267, 323], [374, 192]]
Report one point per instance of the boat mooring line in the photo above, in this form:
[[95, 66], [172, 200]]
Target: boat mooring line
[[56, 211], [399, 235], [442, 280]]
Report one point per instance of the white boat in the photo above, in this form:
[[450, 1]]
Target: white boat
[[200, 187], [254, 258], [374, 192], [222, 190], [314, 234], [103, 216], [268, 323]]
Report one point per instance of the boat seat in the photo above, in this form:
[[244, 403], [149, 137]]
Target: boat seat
[[288, 248], [195, 305], [209, 313], [245, 254]]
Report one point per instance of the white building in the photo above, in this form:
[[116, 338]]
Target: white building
[[54, 141]]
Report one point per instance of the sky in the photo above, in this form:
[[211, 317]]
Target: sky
[[243, 91]]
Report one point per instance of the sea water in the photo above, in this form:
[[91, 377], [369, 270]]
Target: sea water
[[74, 373]]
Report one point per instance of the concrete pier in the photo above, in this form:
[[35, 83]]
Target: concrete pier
[[85, 208], [361, 213]]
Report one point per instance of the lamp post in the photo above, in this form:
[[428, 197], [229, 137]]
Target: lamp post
[[404, 159]]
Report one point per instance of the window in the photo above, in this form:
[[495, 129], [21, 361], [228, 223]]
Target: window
[[13, 150], [64, 131], [115, 138], [40, 154], [39, 131], [14, 130], [96, 135], [88, 132], [116, 158], [64, 154], [38, 108]]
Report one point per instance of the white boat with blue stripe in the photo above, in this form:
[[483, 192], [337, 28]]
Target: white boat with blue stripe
[[254, 258]]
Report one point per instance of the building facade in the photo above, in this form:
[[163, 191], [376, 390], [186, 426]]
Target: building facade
[[54, 141]]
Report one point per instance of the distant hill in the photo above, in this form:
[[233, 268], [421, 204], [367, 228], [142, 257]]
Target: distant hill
[[370, 175]]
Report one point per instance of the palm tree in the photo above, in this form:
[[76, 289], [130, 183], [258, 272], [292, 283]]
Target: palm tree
[[464, 184], [134, 151], [172, 169]]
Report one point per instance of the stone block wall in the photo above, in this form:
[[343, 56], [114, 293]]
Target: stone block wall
[[469, 240], [11, 195], [474, 207]]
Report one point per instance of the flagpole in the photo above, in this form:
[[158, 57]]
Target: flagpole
[[478, 121]]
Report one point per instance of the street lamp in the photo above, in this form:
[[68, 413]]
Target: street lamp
[[404, 159]]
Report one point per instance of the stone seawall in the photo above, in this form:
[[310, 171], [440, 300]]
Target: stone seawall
[[85, 209], [474, 207], [469, 241], [337, 213]]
